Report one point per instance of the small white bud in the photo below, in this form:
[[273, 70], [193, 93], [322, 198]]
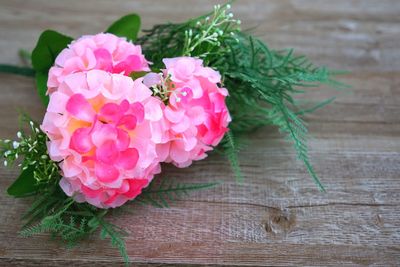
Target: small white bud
[[31, 123], [198, 23], [190, 32], [5, 163], [19, 135], [239, 22], [16, 155], [37, 130], [15, 144], [230, 15], [228, 6], [207, 18], [7, 141]]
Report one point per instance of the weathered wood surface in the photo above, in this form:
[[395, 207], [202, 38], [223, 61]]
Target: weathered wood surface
[[277, 216]]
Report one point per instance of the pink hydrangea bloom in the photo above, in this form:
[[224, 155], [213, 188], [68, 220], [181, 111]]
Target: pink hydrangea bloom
[[103, 129], [197, 116], [103, 51]]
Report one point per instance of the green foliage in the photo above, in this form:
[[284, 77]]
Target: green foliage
[[127, 26], [25, 184], [163, 190], [49, 45], [231, 150], [262, 83], [24, 71]]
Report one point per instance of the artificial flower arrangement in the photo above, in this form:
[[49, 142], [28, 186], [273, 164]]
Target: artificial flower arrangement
[[119, 105]]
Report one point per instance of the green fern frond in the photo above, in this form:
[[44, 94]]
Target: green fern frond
[[230, 150], [159, 193]]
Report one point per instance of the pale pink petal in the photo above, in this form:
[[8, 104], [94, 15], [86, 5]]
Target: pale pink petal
[[174, 116], [102, 133], [181, 126], [153, 111], [57, 102]]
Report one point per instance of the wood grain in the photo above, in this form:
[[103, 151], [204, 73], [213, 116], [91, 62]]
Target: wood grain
[[277, 216]]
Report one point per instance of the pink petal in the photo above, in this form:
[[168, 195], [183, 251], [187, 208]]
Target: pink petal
[[106, 173], [123, 140], [102, 133], [107, 153], [104, 59], [181, 126], [177, 154], [130, 64], [111, 112], [80, 108], [174, 116], [197, 115], [135, 187], [124, 105], [128, 159], [129, 121], [139, 92], [153, 111], [90, 192], [80, 140], [57, 102], [138, 110]]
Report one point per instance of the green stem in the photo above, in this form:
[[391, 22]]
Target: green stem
[[23, 71]]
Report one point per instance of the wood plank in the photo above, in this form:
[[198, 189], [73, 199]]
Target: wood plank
[[276, 216]]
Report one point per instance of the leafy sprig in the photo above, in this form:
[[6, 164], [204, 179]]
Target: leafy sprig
[[263, 83]]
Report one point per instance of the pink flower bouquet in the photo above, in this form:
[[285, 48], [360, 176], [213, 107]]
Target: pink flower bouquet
[[119, 106]]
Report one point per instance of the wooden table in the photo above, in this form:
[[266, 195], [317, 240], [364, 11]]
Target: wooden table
[[277, 216]]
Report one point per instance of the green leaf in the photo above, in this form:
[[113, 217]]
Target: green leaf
[[25, 185], [49, 45], [127, 26], [41, 85]]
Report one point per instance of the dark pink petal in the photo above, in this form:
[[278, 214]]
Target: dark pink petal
[[80, 108], [135, 187], [124, 105], [110, 112], [104, 59], [123, 140], [107, 153], [129, 121], [138, 110], [106, 173], [130, 64], [90, 192], [128, 159], [81, 141]]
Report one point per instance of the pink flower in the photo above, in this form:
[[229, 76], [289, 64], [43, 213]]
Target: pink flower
[[103, 51], [197, 115], [104, 128]]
